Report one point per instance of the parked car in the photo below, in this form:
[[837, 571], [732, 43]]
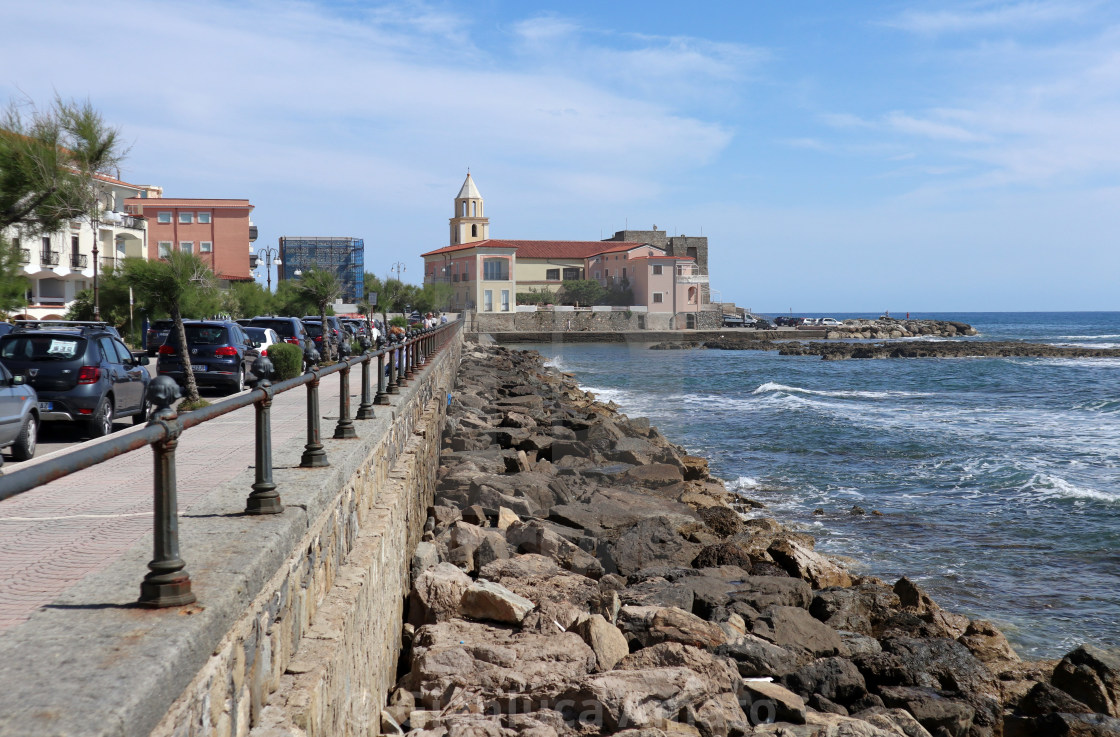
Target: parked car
[[220, 353], [290, 329], [5, 328], [314, 330], [829, 322], [157, 334], [81, 372], [19, 415], [264, 337], [762, 324]]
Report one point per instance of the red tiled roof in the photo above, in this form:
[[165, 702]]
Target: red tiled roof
[[664, 258], [546, 249]]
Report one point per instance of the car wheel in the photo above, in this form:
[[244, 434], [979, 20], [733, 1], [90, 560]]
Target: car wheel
[[102, 422], [142, 416], [24, 447], [240, 384]]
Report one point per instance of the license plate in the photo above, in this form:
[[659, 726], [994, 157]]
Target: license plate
[[198, 368], [46, 406]]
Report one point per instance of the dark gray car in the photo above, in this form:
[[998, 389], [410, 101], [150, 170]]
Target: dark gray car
[[220, 354], [19, 415], [81, 372]]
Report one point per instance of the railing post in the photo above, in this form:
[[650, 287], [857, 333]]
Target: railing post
[[167, 583], [382, 396], [344, 430], [365, 409], [422, 346], [313, 454], [398, 378], [264, 498], [410, 356]]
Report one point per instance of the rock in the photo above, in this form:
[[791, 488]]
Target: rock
[[795, 630], [914, 599], [497, 664], [655, 475], [605, 640], [1044, 698], [932, 710], [834, 678], [562, 598], [718, 670], [656, 591], [855, 609], [534, 537], [893, 721], [723, 554], [762, 592], [506, 518], [757, 658], [723, 521], [651, 625], [987, 643], [695, 467], [941, 663], [436, 594], [489, 551], [1092, 676], [652, 541], [801, 562], [488, 600], [425, 556], [768, 702], [1062, 725], [521, 566], [654, 698]]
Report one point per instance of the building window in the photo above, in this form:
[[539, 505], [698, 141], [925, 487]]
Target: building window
[[474, 231], [204, 217], [571, 274], [186, 246], [552, 274], [186, 217], [164, 249], [658, 297], [206, 247], [657, 269], [163, 217], [505, 300], [495, 269], [487, 301]]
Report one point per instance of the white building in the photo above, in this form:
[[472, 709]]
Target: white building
[[60, 264]]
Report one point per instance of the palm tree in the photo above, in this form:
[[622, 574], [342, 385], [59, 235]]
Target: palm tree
[[321, 287], [164, 284]]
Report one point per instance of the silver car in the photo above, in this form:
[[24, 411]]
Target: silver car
[[19, 415]]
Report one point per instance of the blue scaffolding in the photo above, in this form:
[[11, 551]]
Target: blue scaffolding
[[345, 257]]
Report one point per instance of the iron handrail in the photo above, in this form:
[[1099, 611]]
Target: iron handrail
[[167, 583]]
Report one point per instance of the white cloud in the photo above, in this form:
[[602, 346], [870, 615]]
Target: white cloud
[[990, 16], [929, 128]]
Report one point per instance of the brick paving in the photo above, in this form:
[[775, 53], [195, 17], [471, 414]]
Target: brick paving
[[55, 535]]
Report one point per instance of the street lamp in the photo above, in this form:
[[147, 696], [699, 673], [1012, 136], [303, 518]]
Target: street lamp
[[271, 255], [398, 266]]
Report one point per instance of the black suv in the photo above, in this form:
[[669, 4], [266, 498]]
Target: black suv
[[81, 371], [221, 354], [290, 329], [157, 334]]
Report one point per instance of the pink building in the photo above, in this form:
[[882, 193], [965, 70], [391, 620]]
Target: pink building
[[215, 230], [667, 284]]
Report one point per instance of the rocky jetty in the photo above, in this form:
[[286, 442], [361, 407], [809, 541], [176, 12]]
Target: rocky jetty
[[582, 575], [941, 349], [888, 327]]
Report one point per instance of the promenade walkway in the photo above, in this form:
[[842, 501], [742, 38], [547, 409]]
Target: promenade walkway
[[54, 536]]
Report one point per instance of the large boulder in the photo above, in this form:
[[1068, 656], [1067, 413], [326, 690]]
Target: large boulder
[[762, 592], [649, 625], [757, 658], [988, 644], [855, 609], [491, 601], [837, 679], [932, 709], [795, 630], [534, 537], [436, 594], [653, 541], [802, 562], [605, 640], [917, 601], [500, 666], [1092, 676]]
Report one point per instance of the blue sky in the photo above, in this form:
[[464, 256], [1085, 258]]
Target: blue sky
[[909, 156]]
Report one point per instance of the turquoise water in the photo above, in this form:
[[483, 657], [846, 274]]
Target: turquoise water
[[998, 479]]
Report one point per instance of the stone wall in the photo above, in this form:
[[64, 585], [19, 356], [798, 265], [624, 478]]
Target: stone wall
[[589, 320], [317, 649]]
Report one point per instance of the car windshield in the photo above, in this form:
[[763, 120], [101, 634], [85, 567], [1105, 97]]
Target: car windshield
[[206, 335], [258, 334], [41, 347], [314, 329]]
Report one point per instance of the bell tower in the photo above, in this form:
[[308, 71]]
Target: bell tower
[[469, 224]]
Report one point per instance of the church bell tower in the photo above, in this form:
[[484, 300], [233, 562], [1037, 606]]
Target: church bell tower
[[469, 224]]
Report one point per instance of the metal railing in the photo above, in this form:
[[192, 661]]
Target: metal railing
[[48, 258], [25, 255], [79, 261], [168, 583]]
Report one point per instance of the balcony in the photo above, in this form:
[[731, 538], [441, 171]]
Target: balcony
[[25, 255], [121, 220], [108, 262], [692, 278], [49, 258], [79, 261]]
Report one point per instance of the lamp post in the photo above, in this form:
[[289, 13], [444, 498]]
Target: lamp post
[[398, 266], [271, 255]]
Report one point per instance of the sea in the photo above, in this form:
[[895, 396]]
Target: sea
[[994, 483]]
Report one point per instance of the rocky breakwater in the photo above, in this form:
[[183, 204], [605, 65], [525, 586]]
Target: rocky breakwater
[[941, 349], [889, 327], [582, 575]]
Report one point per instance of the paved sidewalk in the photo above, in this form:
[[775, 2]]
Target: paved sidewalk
[[55, 535]]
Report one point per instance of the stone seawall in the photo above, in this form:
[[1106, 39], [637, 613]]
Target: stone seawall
[[592, 320]]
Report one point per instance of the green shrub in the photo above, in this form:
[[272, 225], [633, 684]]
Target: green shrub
[[287, 360], [398, 322], [355, 347]]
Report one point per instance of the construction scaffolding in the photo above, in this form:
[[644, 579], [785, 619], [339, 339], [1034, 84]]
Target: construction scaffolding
[[345, 257]]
